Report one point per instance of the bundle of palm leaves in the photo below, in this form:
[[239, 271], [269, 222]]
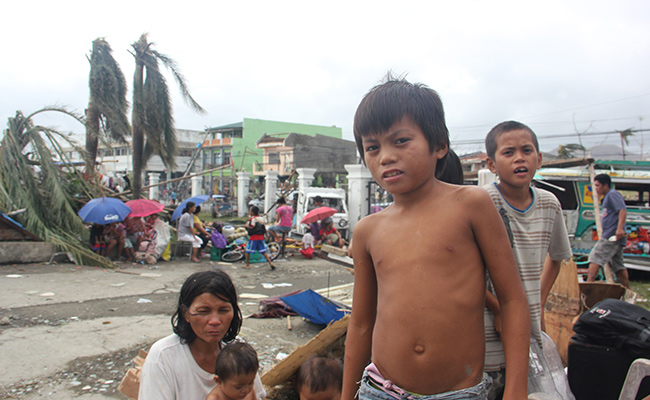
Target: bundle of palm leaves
[[36, 175]]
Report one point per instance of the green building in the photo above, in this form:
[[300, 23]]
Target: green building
[[235, 145]]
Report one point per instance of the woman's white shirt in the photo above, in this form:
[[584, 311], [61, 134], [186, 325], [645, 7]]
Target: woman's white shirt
[[171, 373]]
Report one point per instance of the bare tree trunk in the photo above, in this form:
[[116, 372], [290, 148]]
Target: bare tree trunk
[[92, 138], [138, 129]]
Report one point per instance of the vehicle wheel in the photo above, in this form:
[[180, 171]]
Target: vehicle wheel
[[273, 250], [232, 256]]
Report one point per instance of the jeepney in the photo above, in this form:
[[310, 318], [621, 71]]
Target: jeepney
[[572, 187]]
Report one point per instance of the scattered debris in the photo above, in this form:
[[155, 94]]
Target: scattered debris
[[47, 294], [141, 300], [120, 284], [15, 276]]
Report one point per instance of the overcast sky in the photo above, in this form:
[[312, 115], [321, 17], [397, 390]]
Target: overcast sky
[[556, 66]]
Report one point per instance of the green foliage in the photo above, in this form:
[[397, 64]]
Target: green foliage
[[568, 151], [36, 175], [152, 119]]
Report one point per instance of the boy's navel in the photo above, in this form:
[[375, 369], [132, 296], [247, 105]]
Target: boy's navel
[[419, 348]]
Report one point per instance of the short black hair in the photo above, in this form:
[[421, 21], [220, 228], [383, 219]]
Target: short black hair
[[388, 103], [255, 210], [281, 200], [318, 199], [320, 373], [604, 179], [215, 282], [501, 128], [237, 358]]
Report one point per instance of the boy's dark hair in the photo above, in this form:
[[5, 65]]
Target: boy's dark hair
[[604, 179], [214, 282], [281, 200], [450, 169], [237, 358], [503, 127], [320, 373], [389, 102], [255, 210]]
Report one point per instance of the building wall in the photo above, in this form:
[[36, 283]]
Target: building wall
[[255, 128]]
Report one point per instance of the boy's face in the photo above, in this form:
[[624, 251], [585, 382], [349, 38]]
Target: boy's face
[[400, 159], [600, 189], [237, 387], [516, 159], [329, 394]]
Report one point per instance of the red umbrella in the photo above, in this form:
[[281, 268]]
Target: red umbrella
[[318, 214], [144, 207]]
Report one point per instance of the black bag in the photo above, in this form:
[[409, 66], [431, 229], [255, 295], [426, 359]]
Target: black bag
[[257, 229], [615, 323]]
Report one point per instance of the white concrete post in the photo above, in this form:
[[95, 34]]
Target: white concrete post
[[154, 192], [305, 177], [243, 182], [485, 176], [197, 183], [358, 178], [270, 189]]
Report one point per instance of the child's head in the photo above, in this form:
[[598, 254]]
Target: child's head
[[217, 226], [389, 102], [318, 201], [492, 138], [236, 369], [282, 201], [320, 378], [513, 153], [255, 210], [327, 223]]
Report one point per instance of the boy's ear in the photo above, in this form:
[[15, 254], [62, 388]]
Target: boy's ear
[[217, 380], [489, 162], [441, 151], [539, 159]]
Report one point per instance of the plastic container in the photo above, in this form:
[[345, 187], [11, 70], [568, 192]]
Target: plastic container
[[546, 377], [228, 230]]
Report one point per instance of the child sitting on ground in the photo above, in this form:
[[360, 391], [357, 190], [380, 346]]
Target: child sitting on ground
[[320, 378], [329, 235], [235, 373]]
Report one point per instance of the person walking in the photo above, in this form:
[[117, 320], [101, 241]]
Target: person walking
[[609, 248]]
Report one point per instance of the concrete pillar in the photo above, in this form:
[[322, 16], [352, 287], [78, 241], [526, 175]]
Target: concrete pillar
[[154, 192], [358, 178], [305, 177], [243, 182], [197, 183], [485, 176], [270, 189]]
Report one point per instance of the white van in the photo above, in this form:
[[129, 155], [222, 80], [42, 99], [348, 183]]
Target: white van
[[333, 198]]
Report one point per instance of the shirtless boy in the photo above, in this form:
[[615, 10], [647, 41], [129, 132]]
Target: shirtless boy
[[418, 309]]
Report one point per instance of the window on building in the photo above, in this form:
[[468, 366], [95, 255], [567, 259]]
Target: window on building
[[274, 158], [226, 157], [216, 158]]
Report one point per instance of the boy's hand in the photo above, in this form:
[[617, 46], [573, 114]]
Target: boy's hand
[[497, 323]]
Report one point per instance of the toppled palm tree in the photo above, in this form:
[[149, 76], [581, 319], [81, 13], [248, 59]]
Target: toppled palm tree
[[625, 139], [106, 117], [36, 175], [568, 151], [152, 120]]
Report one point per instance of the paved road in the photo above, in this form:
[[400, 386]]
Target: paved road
[[69, 331]]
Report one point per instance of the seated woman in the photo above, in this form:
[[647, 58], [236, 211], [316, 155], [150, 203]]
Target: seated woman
[[182, 365], [200, 230], [329, 235], [186, 231]]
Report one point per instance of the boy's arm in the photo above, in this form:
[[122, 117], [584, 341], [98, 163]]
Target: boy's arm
[[359, 336], [493, 242], [549, 275]]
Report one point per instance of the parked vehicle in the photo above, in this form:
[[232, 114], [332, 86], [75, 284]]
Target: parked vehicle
[[334, 198], [573, 188]]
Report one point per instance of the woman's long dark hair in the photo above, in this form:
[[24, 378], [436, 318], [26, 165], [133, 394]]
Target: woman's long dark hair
[[215, 282]]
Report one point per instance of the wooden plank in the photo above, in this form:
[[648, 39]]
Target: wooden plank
[[562, 307], [283, 370]]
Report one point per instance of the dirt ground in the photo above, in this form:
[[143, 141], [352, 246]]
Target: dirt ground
[[71, 332]]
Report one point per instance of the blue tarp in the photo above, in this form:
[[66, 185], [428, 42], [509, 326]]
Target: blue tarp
[[314, 307]]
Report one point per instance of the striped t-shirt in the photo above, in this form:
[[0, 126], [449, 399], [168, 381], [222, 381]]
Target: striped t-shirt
[[535, 232]]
